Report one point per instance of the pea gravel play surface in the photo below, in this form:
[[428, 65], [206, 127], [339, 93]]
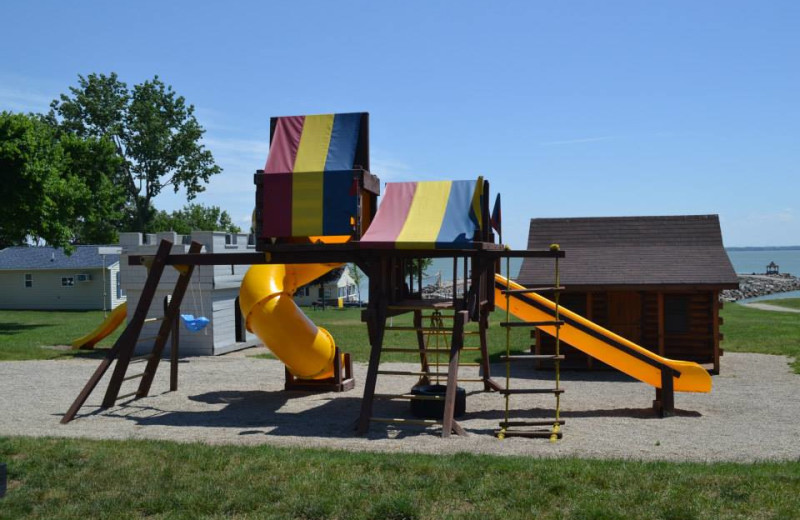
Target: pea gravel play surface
[[753, 412]]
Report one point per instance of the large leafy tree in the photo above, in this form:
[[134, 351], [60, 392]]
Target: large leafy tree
[[194, 217], [51, 188], [154, 132]]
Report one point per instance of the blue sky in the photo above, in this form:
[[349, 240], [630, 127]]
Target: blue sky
[[592, 108]]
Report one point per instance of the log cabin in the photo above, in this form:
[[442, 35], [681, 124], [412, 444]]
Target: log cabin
[[653, 280]]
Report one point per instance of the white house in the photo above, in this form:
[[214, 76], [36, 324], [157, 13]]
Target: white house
[[212, 292], [344, 287], [45, 278]]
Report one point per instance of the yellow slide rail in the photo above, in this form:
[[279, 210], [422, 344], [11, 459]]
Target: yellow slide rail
[[600, 343], [270, 312]]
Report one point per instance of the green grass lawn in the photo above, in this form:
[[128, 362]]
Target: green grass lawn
[[43, 334], [766, 332], [81, 479], [33, 334]]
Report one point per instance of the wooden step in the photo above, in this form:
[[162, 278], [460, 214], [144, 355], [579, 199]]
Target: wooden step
[[515, 391]]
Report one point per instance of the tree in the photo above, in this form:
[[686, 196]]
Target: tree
[[47, 191], [154, 132], [194, 217], [358, 277]]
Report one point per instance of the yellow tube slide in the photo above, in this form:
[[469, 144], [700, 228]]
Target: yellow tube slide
[[265, 298], [600, 343], [108, 326]]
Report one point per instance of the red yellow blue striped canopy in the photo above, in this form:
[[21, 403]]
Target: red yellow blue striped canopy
[[427, 215], [308, 186]]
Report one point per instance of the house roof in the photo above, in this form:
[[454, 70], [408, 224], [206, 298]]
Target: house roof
[[631, 251], [46, 258]]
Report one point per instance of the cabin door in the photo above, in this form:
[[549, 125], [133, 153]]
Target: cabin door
[[625, 314]]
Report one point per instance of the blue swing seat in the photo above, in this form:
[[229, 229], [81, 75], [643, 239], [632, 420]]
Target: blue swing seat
[[195, 324]]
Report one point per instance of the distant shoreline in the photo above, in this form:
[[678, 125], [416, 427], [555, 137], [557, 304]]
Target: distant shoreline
[[764, 248]]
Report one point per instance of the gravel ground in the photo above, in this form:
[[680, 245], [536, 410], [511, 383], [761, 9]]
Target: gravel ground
[[753, 412]]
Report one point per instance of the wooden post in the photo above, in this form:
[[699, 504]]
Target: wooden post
[[376, 325], [667, 396], [448, 424], [173, 354], [423, 356]]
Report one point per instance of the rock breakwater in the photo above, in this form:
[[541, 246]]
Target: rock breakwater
[[753, 285]]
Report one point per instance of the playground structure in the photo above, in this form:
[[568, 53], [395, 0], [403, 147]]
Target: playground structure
[[316, 208]]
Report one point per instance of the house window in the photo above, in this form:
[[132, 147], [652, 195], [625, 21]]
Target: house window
[[28, 280], [676, 314], [67, 281]]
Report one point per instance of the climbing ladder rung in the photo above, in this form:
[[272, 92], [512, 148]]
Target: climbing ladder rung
[[552, 323], [144, 357], [515, 391], [410, 397], [134, 376], [147, 338], [523, 357], [532, 290], [123, 396], [471, 380], [419, 329], [153, 320], [460, 364], [425, 350], [537, 434], [542, 422], [400, 420]]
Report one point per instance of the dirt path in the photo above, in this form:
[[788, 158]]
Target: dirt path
[[768, 307]]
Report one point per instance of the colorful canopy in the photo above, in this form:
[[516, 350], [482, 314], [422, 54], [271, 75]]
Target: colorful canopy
[[427, 215], [308, 186]]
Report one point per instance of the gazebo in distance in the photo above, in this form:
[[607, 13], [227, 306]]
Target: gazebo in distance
[[773, 268]]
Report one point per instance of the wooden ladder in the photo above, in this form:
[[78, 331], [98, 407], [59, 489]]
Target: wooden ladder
[[123, 350], [537, 428], [376, 324]]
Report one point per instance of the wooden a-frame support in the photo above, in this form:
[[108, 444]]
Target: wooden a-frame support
[[124, 347]]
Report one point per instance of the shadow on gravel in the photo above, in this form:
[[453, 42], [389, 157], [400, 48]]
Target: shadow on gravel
[[263, 413]]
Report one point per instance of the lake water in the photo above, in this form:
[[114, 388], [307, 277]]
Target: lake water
[[744, 262]]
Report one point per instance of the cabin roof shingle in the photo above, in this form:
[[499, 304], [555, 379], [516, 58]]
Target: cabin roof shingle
[[46, 258], [631, 251]]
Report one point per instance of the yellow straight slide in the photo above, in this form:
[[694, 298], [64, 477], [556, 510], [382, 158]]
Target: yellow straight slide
[[265, 298], [600, 343], [108, 326]]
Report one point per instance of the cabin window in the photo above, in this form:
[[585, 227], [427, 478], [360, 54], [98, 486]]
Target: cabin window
[[67, 281], [28, 280], [676, 314]]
